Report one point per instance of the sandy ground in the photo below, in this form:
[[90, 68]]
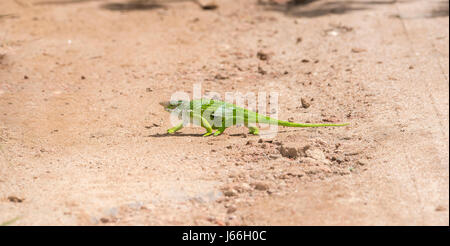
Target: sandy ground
[[83, 135]]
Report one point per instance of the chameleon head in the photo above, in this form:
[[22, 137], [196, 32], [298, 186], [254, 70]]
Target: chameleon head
[[171, 105]]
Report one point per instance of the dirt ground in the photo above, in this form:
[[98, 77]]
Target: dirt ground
[[83, 137]]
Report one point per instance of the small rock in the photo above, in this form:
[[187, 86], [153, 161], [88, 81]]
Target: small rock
[[305, 60], [299, 40], [153, 125], [261, 71], [104, 220], [331, 120], [352, 153], [82, 77], [305, 103], [148, 89], [262, 56], [25, 77], [231, 209], [15, 199], [220, 77], [207, 4], [361, 162], [230, 192], [439, 208], [358, 50], [261, 186], [289, 151], [250, 142], [291, 119], [337, 159]]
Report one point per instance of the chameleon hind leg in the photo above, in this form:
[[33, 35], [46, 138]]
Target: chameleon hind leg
[[175, 128], [219, 131]]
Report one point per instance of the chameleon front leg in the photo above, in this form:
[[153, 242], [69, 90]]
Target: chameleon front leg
[[175, 128], [204, 123], [253, 130]]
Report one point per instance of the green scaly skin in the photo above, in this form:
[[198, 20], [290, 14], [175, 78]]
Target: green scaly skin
[[209, 107]]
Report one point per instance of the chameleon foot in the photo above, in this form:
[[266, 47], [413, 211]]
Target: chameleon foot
[[253, 130], [220, 131], [174, 129], [207, 134]]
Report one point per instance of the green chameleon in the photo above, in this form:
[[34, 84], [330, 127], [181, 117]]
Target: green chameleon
[[218, 115]]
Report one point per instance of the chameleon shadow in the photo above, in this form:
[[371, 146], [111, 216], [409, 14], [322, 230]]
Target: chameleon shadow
[[131, 6], [159, 135], [177, 134]]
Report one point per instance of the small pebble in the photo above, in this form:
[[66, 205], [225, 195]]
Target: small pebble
[[361, 162], [305, 103], [261, 186], [262, 56], [358, 50], [104, 220], [15, 199], [231, 209], [231, 192], [207, 4]]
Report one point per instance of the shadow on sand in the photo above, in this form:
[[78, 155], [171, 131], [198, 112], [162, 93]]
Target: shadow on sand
[[317, 8]]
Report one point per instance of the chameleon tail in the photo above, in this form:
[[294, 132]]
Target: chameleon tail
[[292, 124], [268, 120]]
